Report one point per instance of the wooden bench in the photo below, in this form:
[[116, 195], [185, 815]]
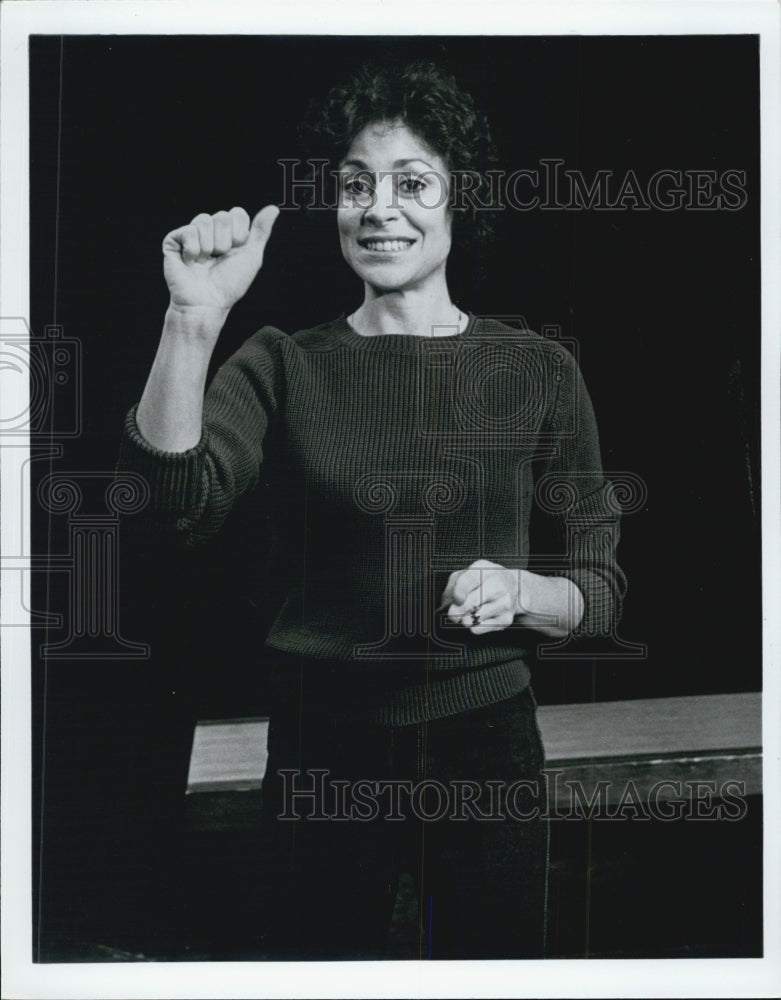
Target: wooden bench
[[663, 746]]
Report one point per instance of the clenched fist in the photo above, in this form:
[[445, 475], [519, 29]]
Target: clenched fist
[[487, 597], [210, 263], [484, 597]]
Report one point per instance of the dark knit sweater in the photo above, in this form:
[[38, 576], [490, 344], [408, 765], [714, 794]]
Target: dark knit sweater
[[395, 460]]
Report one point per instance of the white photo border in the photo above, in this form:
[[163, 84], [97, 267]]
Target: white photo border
[[680, 978]]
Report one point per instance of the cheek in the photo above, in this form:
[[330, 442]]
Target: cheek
[[348, 220], [346, 238]]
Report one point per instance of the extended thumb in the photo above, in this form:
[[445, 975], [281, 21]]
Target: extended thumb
[[262, 224]]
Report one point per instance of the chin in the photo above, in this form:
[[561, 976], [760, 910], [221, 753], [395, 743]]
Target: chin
[[384, 279], [389, 285]]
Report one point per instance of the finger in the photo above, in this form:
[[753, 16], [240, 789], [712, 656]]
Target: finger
[[205, 226], [183, 242], [239, 226], [485, 618], [495, 624], [499, 608], [447, 594], [488, 579], [493, 587], [487, 601], [223, 233], [262, 224], [469, 581], [464, 611]]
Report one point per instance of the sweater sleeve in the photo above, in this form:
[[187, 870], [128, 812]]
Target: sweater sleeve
[[579, 505], [192, 492]]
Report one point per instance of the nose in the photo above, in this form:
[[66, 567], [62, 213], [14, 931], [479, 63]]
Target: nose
[[385, 204]]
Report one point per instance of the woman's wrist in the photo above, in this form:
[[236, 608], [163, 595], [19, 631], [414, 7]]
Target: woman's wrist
[[199, 326], [553, 605], [169, 415]]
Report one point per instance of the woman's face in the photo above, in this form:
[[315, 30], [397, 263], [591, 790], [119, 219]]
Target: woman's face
[[394, 219]]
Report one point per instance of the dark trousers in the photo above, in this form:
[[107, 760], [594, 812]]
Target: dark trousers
[[457, 803]]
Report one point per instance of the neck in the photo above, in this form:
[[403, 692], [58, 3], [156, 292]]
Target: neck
[[416, 313]]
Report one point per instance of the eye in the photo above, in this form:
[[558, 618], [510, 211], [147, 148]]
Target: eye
[[356, 185], [409, 185]]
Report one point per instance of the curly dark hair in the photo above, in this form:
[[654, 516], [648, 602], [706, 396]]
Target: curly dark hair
[[426, 98]]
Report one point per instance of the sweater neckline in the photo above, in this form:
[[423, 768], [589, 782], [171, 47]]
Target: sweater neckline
[[395, 343]]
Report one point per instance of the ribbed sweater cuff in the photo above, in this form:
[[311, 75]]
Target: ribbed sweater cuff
[[601, 605], [173, 478], [594, 523]]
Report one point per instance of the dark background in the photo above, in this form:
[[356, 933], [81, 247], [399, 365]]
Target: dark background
[[132, 136]]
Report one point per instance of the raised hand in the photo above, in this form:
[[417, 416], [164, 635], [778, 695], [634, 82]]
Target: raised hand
[[210, 263]]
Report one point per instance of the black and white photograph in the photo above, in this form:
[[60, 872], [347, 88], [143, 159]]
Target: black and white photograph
[[390, 498]]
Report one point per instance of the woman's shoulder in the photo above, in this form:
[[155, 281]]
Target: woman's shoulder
[[320, 337], [512, 331], [549, 355], [272, 339], [510, 327]]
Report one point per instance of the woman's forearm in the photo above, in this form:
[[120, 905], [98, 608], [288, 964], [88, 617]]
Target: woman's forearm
[[170, 413], [552, 605], [208, 264]]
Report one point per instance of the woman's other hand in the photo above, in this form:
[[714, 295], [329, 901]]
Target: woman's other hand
[[210, 263], [483, 597], [487, 597]]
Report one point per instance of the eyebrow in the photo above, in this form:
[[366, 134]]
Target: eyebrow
[[399, 163]]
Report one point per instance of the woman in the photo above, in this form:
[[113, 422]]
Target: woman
[[422, 460]]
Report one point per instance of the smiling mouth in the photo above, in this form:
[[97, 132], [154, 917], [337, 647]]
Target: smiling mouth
[[386, 245]]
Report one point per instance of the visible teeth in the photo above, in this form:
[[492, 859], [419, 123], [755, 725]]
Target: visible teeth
[[387, 246]]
